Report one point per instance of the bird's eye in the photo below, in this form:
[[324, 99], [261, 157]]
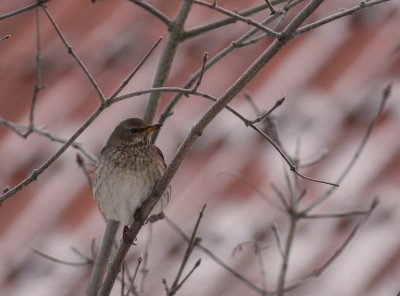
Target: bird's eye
[[134, 130]]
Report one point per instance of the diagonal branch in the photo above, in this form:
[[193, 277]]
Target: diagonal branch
[[385, 95], [71, 51], [23, 9], [154, 11], [362, 5], [238, 17], [217, 260], [191, 244]]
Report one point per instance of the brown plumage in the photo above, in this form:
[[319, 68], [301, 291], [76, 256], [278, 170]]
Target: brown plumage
[[128, 168]]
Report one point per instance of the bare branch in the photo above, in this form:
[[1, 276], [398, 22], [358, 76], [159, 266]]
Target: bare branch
[[38, 74], [132, 280], [217, 260], [338, 252], [266, 114], [277, 239], [285, 260], [23, 9], [273, 11], [229, 49], [71, 51], [246, 20], [68, 263], [250, 185], [362, 5], [192, 243], [196, 265], [167, 57], [145, 270], [37, 172], [385, 95], [205, 57], [193, 32], [21, 130], [318, 158], [135, 70], [102, 258], [154, 11]]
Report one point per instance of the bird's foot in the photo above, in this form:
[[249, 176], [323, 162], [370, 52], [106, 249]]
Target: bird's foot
[[157, 217], [127, 236]]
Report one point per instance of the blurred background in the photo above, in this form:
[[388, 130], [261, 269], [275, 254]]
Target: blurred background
[[332, 77]]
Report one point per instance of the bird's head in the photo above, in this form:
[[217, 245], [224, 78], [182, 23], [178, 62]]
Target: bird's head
[[132, 130]]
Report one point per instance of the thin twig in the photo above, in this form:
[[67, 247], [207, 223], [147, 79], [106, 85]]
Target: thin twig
[[193, 32], [38, 74], [38, 171], [192, 243], [135, 70], [385, 95], [71, 51], [82, 255], [21, 130], [336, 215], [154, 11], [277, 239], [217, 260], [22, 9], [318, 271], [205, 57], [250, 185], [263, 273], [318, 158], [273, 11], [362, 5], [286, 253], [132, 280], [266, 114], [196, 265], [246, 20], [68, 263], [144, 271]]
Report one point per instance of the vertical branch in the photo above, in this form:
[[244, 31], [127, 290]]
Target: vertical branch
[[101, 260], [38, 74], [285, 260], [164, 66]]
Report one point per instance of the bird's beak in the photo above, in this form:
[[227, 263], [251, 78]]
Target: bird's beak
[[152, 128]]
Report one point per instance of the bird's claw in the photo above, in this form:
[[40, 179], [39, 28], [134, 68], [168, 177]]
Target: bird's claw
[[127, 236]]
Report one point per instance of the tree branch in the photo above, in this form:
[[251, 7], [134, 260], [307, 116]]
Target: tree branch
[[164, 65], [71, 51], [196, 132]]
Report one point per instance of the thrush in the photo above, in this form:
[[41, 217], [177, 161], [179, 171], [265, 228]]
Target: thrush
[[127, 169]]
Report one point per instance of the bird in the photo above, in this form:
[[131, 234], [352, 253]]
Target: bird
[[127, 169]]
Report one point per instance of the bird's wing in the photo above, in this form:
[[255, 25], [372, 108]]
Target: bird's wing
[[161, 155]]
